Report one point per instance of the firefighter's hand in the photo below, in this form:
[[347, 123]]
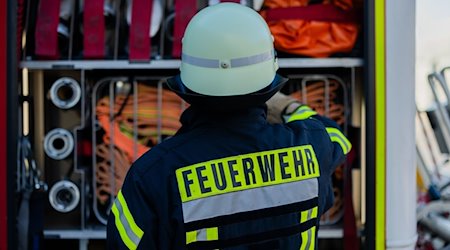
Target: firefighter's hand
[[278, 106]]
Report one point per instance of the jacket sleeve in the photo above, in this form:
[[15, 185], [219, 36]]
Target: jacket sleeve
[[132, 221], [282, 108], [341, 145]]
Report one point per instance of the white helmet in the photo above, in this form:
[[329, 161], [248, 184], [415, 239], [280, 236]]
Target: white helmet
[[227, 50], [228, 58]]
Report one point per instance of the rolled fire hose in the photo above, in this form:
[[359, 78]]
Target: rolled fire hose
[[155, 114], [105, 186], [314, 95], [152, 114], [58, 143], [64, 196], [65, 93]]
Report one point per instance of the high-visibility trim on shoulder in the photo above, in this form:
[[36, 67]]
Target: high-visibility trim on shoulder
[[302, 113], [247, 171], [129, 231], [337, 136]]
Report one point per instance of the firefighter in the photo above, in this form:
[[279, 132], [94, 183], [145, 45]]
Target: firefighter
[[229, 179]]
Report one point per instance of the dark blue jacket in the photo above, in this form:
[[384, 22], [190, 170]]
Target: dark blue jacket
[[230, 181]]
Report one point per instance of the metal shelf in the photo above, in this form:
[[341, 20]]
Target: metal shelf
[[320, 62], [331, 232], [75, 234], [174, 64], [100, 64]]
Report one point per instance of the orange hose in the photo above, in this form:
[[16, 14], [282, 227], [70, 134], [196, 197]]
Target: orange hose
[[120, 140], [151, 117], [316, 97], [103, 171]]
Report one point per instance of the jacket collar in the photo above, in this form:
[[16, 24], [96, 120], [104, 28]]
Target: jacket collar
[[194, 117]]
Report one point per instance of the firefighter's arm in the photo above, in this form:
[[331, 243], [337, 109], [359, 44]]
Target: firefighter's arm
[[278, 105], [282, 108], [132, 222]]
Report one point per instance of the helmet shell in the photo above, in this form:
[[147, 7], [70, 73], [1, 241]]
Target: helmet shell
[[227, 50]]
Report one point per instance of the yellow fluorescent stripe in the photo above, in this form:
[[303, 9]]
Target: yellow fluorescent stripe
[[314, 212], [302, 113], [304, 240], [299, 117], [129, 217], [304, 216], [247, 171], [380, 124], [212, 233], [304, 108], [122, 232], [308, 237], [337, 136], [191, 237], [313, 238]]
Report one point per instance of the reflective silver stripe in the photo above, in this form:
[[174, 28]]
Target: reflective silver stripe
[[234, 63], [200, 62], [250, 199], [250, 60], [204, 234], [131, 235], [201, 235]]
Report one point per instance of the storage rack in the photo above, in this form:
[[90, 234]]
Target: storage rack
[[351, 66], [86, 71]]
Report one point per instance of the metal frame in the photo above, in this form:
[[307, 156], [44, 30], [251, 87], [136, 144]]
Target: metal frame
[[99, 233], [3, 125], [8, 124], [369, 97]]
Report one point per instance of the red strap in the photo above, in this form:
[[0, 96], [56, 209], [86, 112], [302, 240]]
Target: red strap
[[20, 18], [94, 29], [230, 1], [315, 12], [46, 36], [184, 11], [139, 40]]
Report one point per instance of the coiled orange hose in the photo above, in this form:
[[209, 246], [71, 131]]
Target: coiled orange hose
[[155, 114], [315, 97]]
